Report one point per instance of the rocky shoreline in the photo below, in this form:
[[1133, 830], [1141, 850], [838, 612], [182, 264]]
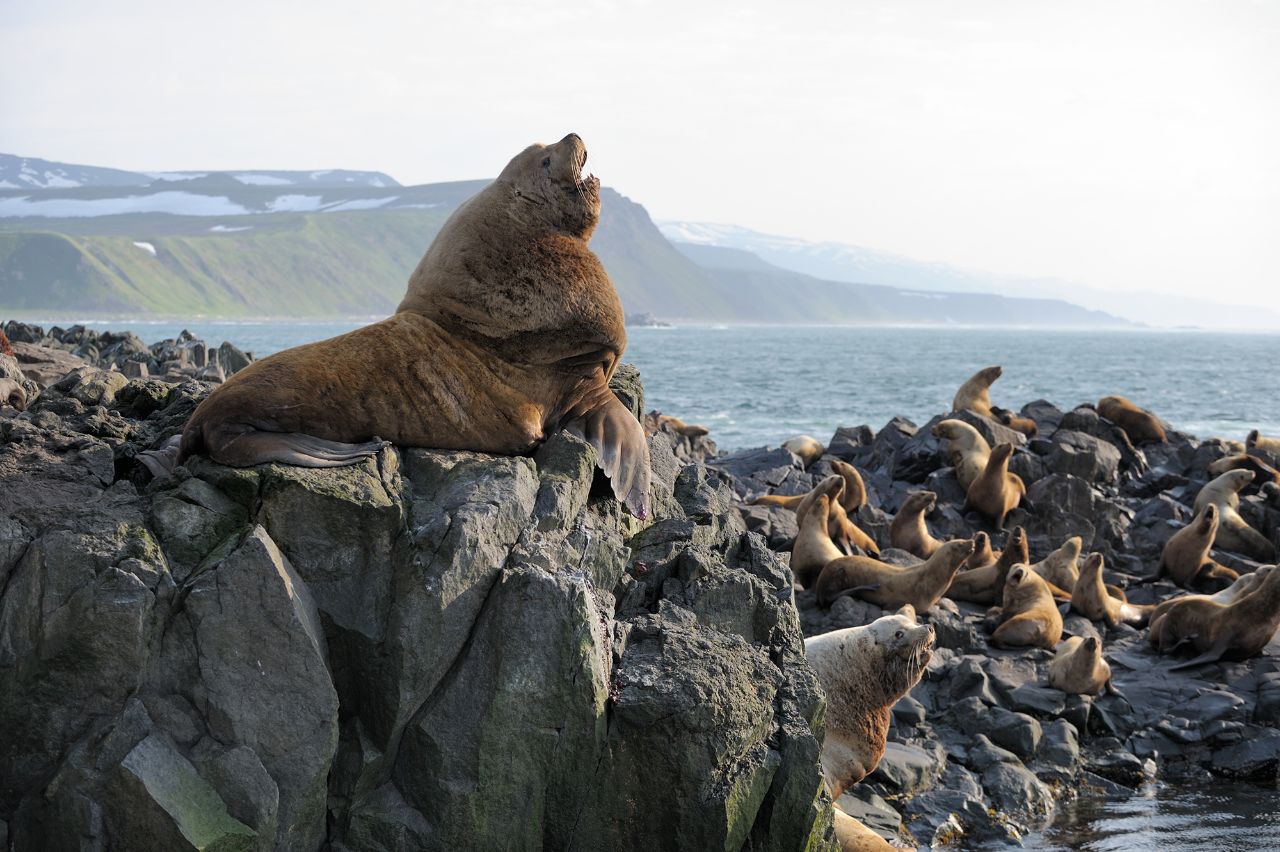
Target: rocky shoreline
[[437, 648]]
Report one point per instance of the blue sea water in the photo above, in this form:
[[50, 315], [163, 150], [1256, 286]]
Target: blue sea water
[[757, 385]]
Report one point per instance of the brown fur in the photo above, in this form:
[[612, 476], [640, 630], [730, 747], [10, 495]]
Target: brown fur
[[844, 532], [985, 584], [6, 348], [864, 671], [510, 329], [1262, 472], [807, 449], [656, 422], [1029, 615], [982, 554], [908, 531], [974, 395], [1234, 533], [1061, 568], [921, 585], [852, 498], [1094, 600], [1186, 559], [813, 547], [1016, 422], [853, 836], [1257, 444], [1077, 667], [1140, 425], [1237, 623], [996, 492], [967, 450]]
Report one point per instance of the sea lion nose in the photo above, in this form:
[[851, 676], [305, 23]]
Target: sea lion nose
[[571, 139]]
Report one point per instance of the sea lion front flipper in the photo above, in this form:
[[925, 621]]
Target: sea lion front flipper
[[1210, 656], [622, 450]]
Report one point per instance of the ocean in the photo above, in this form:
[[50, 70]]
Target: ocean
[[759, 385]]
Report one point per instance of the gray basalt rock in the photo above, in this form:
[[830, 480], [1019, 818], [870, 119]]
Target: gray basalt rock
[[1082, 455]]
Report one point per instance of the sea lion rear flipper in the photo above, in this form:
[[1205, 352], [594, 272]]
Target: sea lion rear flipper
[[1210, 656], [257, 447], [162, 460], [622, 450]]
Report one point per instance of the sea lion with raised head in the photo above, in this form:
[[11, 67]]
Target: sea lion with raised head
[[1028, 616], [996, 492], [975, 394], [890, 586], [844, 532], [1091, 598], [967, 450], [908, 531], [1077, 667], [1257, 444], [852, 498], [805, 448], [1061, 568], [510, 329], [982, 554], [1016, 422], [1262, 472], [1234, 533], [985, 584], [1185, 557], [1140, 425], [1234, 624], [813, 547]]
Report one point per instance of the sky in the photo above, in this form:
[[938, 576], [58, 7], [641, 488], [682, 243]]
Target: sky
[[1127, 145]]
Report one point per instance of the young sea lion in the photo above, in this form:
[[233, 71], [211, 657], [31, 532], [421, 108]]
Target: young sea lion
[[864, 671], [967, 450], [510, 329], [974, 395], [889, 586], [1029, 615], [996, 492], [982, 554], [656, 422], [813, 547], [852, 498], [844, 532], [985, 584], [1186, 559], [1077, 667], [1234, 624], [1139, 424], [808, 449], [1233, 533], [1016, 422], [908, 531], [1061, 567], [1091, 598]]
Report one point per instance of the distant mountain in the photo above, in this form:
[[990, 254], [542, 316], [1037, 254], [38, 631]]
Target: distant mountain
[[333, 242], [844, 262], [31, 173]]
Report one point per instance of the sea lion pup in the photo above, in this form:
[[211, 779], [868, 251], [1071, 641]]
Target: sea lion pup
[[844, 532], [12, 394], [1061, 567], [908, 531], [1237, 629], [852, 498], [1077, 667], [985, 584], [889, 586], [1029, 615], [1016, 422], [974, 395], [808, 449], [1233, 533], [659, 421], [813, 547], [996, 492], [1091, 598], [1262, 472], [864, 671], [1140, 425], [1186, 559], [967, 450], [510, 329]]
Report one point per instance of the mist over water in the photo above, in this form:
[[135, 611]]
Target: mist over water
[[758, 385]]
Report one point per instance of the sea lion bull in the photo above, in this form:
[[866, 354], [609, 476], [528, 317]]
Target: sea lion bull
[[1140, 425], [1234, 624], [510, 329]]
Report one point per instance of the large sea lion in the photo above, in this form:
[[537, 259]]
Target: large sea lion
[[510, 329], [852, 498], [974, 395], [985, 584], [1233, 532], [1186, 559], [889, 586], [1061, 568], [908, 531], [967, 450], [1077, 667], [1091, 598], [1140, 425], [864, 671], [1234, 624], [1029, 615], [806, 448], [996, 492]]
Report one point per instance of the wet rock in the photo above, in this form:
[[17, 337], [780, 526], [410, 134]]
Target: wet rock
[[1256, 758], [1018, 793], [1120, 766]]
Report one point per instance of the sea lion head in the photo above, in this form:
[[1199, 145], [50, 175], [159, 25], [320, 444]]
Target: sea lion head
[[1237, 479], [1092, 565], [547, 186], [1000, 453], [1071, 547], [955, 551], [920, 501], [1090, 645], [990, 374], [905, 648]]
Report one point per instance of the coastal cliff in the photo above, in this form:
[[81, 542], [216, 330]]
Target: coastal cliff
[[427, 650]]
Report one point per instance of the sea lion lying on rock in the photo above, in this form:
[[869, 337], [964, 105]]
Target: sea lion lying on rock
[[1235, 624], [1029, 616], [1077, 667], [908, 531], [996, 492], [1091, 598], [967, 450], [806, 448], [985, 584], [1234, 533], [1016, 422], [656, 422], [509, 331], [1186, 559], [1140, 425], [975, 394], [852, 498], [889, 586], [1255, 443]]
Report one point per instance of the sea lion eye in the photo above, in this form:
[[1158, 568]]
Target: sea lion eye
[[546, 164], [899, 635]]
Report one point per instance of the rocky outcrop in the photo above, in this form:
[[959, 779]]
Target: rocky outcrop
[[430, 650]]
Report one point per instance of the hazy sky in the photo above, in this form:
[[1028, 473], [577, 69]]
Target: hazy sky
[[1119, 144]]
